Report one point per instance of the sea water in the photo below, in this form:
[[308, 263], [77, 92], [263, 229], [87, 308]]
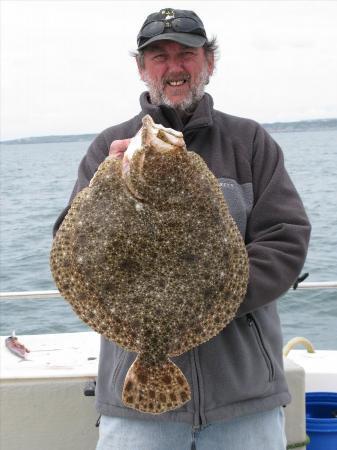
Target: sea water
[[37, 180]]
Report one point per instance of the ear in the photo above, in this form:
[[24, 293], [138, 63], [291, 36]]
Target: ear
[[141, 70], [210, 63]]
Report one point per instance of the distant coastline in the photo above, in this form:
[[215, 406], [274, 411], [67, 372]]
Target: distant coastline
[[275, 127]]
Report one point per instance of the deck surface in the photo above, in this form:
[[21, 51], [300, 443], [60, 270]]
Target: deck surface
[[66, 355], [75, 355]]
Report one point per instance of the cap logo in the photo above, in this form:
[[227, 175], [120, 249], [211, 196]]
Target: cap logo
[[168, 13]]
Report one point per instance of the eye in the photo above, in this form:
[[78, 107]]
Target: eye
[[189, 53], [159, 58]]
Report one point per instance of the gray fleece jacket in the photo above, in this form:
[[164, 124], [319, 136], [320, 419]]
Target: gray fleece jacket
[[240, 371]]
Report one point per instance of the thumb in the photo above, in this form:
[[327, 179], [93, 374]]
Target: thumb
[[118, 147]]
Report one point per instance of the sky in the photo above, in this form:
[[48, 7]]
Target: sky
[[66, 66]]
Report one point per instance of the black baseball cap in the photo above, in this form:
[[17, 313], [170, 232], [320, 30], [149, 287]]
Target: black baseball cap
[[178, 25]]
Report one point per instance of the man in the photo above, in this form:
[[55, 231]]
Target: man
[[237, 380]]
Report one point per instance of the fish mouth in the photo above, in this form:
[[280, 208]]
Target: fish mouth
[[151, 138], [160, 138]]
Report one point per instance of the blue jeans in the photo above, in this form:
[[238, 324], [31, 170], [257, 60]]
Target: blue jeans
[[260, 431]]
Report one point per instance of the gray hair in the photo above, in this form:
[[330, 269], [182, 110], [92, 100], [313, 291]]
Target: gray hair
[[210, 47]]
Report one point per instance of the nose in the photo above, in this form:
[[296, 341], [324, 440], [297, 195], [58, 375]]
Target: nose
[[175, 64]]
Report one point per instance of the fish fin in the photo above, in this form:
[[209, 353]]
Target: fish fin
[[155, 389]]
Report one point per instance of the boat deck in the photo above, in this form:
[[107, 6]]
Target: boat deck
[[45, 392], [66, 355]]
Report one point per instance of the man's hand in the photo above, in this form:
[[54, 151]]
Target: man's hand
[[118, 147]]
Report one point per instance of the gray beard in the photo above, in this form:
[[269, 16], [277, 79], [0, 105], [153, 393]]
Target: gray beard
[[157, 96]]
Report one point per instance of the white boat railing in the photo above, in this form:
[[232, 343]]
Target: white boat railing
[[30, 295], [37, 295]]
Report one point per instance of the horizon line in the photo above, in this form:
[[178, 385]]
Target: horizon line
[[96, 133]]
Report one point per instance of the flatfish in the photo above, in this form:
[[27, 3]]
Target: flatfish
[[150, 257]]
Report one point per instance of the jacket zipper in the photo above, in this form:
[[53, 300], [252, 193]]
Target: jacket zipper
[[197, 420], [258, 334], [197, 417], [189, 132]]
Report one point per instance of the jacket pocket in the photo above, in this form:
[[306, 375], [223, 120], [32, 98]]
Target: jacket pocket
[[119, 366], [113, 365], [253, 324], [118, 378]]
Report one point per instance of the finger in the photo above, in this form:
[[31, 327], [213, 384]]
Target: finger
[[118, 147], [116, 153]]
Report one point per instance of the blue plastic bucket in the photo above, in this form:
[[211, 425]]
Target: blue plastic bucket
[[321, 418]]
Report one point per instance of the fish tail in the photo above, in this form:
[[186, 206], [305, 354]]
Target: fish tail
[[155, 389]]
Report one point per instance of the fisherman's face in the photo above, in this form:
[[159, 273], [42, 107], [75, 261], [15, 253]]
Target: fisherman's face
[[175, 75]]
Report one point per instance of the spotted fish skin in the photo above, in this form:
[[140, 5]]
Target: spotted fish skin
[[150, 257], [155, 388]]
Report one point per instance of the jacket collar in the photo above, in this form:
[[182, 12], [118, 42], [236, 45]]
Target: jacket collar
[[168, 117]]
